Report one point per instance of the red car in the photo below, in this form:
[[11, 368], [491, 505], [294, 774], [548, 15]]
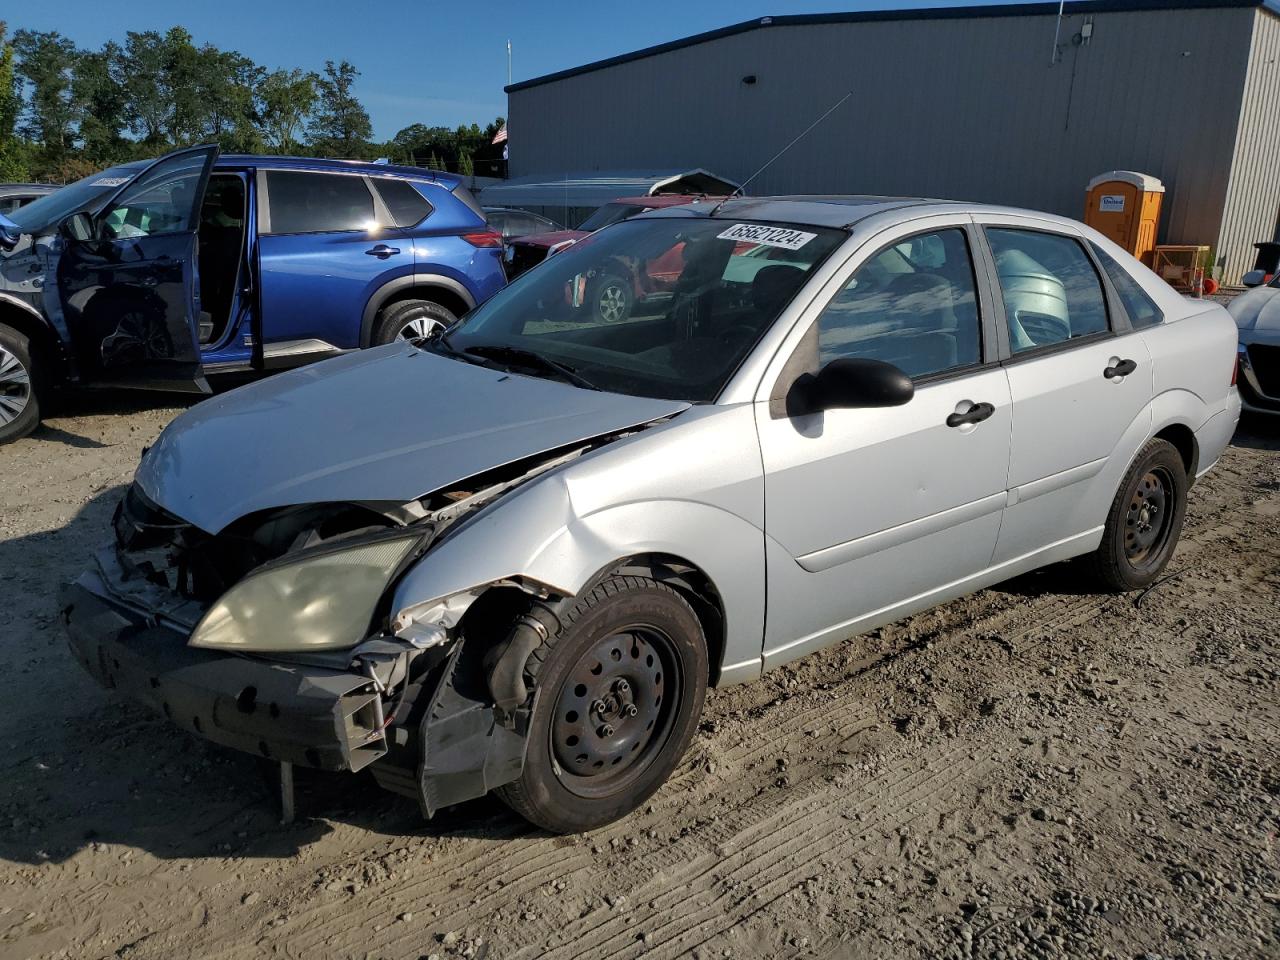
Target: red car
[[611, 295]]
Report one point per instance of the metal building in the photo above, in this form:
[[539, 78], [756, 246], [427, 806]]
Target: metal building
[[1004, 104]]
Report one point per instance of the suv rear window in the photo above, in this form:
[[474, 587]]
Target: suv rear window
[[303, 202], [406, 205]]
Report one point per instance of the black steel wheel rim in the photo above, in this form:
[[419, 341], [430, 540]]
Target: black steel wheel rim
[[1149, 517], [615, 711]]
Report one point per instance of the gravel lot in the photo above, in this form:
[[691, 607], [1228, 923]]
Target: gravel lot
[[1035, 771]]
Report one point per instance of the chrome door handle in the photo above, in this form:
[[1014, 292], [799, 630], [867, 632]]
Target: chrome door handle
[[1121, 369], [975, 414], [382, 251]]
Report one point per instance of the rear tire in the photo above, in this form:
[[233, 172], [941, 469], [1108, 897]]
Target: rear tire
[[411, 320], [21, 382], [619, 692], [1145, 519]]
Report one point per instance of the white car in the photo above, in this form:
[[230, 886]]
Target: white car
[[1257, 315], [514, 556]]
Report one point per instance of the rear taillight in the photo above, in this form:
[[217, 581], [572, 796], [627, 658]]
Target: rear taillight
[[483, 238], [1235, 370]]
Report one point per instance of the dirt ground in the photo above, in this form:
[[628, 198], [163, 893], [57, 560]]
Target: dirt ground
[[1035, 771]]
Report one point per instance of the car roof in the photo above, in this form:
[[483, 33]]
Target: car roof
[[448, 180], [834, 210]]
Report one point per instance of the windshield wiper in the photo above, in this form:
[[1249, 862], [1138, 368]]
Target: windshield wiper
[[530, 358]]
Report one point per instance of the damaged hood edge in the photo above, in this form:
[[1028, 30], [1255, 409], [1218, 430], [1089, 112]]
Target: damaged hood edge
[[388, 426]]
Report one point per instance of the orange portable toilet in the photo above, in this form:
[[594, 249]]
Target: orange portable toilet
[[1125, 207]]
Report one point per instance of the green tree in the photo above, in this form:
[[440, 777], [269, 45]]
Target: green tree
[[10, 101], [465, 166], [45, 60], [226, 81], [98, 95], [285, 101], [148, 108], [340, 124]]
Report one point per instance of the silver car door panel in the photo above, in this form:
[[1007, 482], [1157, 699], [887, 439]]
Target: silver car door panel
[[786, 579], [821, 560], [1038, 488]]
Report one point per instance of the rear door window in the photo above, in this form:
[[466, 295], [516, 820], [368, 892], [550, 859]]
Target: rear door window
[[406, 205], [1052, 292], [304, 202]]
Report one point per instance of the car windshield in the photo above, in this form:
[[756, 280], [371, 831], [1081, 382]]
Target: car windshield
[[610, 213], [662, 307], [82, 195]]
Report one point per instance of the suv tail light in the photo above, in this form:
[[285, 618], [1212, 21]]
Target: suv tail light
[[483, 238], [1235, 370]]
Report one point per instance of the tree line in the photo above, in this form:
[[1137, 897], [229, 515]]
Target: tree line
[[66, 112]]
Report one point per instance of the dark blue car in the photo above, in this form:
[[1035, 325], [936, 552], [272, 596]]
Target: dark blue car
[[157, 273]]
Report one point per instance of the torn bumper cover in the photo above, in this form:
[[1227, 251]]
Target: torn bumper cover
[[308, 715]]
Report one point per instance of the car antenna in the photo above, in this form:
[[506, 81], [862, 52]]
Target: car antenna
[[768, 163]]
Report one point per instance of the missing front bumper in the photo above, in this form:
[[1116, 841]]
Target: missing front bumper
[[305, 715]]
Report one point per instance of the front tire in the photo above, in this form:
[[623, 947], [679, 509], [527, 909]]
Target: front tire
[[411, 320], [20, 380], [619, 690], [1145, 519]]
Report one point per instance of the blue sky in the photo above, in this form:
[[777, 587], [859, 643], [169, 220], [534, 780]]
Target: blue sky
[[434, 63]]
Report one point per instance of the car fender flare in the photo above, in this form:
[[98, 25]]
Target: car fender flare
[[399, 284], [535, 538], [32, 323], [1173, 408]]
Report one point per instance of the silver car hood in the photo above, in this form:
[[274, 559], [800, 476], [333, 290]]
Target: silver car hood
[[1257, 309], [386, 425]]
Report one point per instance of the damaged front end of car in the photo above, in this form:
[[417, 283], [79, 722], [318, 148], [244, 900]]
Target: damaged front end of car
[[278, 636]]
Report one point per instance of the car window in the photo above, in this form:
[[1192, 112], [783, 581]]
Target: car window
[[1142, 310], [406, 205], [302, 202], [161, 201], [1052, 293], [665, 307], [914, 304], [84, 194]]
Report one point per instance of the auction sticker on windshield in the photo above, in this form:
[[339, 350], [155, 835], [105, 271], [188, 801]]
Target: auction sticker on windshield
[[110, 181], [783, 237]]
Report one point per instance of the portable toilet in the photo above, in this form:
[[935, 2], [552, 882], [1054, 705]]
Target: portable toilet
[[1124, 206]]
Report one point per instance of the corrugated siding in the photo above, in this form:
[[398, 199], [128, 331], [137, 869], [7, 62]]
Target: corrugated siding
[[1253, 196], [964, 109]]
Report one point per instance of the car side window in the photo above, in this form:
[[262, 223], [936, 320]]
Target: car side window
[[161, 201], [913, 304], [407, 206], [1142, 310], [303, 202], [1052, 293]]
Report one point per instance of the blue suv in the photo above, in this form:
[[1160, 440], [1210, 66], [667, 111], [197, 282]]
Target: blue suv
[[157, 273]]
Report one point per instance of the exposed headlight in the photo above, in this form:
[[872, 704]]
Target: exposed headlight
[[319, 602]]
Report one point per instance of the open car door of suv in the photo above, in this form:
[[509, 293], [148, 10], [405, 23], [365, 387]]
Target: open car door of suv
[[126, 278]]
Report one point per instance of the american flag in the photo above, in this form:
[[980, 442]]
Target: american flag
[[501, 135]]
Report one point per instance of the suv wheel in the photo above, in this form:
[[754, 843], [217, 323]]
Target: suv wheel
[[411, 320], [1145, 520], [19, 397], [619, 691]]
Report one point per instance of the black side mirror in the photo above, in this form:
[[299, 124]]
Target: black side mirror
[[851, 382], [78, 226]]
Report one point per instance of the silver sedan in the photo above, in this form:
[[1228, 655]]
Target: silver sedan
[[514, 557]]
